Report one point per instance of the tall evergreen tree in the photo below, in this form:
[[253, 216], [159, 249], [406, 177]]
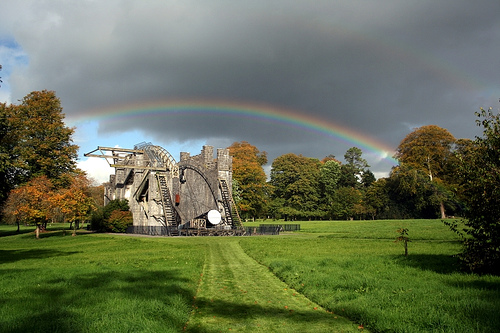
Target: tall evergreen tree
[[354, 168]]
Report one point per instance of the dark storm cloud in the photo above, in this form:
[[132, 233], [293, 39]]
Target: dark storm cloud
[[380, 68]]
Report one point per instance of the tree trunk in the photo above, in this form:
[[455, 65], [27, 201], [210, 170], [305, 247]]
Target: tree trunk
[[37, 231], [441, 208], [18, 227]]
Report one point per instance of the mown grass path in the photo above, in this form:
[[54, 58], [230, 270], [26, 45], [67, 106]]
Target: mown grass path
[[238, 294]]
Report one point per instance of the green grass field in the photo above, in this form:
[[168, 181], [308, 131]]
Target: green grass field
[[332, 277]]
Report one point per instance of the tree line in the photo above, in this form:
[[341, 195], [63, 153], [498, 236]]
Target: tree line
[[423, 185], [438, 176]]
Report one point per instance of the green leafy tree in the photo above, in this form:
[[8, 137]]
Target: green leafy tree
[[330, 172], [100, 219], [430, 149], [348, 176], [34, 141], [42, 142], [295, 179], [346, 203], [353, 158], [367, 178], [377, 200], [354, 168], [412, 189], [479, 172]]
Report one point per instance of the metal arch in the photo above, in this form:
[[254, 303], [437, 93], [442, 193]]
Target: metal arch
[[191, 167], [160, 157]]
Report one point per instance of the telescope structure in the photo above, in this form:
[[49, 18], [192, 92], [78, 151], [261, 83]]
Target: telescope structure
[[189, 197]]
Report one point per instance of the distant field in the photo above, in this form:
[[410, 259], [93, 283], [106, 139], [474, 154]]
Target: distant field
[[352, 269]]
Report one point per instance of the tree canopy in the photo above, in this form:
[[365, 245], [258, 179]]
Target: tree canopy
[[428, 148], [39, 143], [479, 172], [250, 178], [296, 179], [39, 180]]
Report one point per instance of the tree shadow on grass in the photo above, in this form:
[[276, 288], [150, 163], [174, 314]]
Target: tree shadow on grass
[[54, 233], [9, 256], [132, 300], [237, 314], [5, 233], [438, 263]]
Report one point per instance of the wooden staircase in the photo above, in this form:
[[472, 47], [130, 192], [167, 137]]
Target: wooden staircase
[[232, 216], [170, 218]]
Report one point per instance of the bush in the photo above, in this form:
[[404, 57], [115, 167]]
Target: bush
[[480, 175], [118, 221], [101, 218]]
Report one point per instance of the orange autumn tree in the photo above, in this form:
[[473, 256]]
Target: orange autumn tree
[[31, 203], [75, 201], [250, 177]]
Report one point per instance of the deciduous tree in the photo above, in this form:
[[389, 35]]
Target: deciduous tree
[[413, 190], [428, 148], [31, 203], [42, 144], [479, 173], [296, 179], [330, 176], [75, 202], [249, 174], [346, 203], [376, 198]]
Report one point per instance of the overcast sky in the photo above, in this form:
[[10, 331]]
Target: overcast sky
[[376, 68]]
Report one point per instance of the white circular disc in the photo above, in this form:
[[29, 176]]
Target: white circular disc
[[214, 217]]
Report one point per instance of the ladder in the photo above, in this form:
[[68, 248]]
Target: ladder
[[232, 216], [170, 218]]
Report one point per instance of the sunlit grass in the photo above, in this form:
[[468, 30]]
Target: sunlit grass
[[236, 293], [359, 271], [97, 283], [353, 269]]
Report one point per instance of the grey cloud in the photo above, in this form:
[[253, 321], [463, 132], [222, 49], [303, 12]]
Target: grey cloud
[[376, 67]]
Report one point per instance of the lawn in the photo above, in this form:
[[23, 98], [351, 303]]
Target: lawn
[[355, 268], [97, 283], [329, 271]]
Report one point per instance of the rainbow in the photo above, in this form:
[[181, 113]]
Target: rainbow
[[255, 111]]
